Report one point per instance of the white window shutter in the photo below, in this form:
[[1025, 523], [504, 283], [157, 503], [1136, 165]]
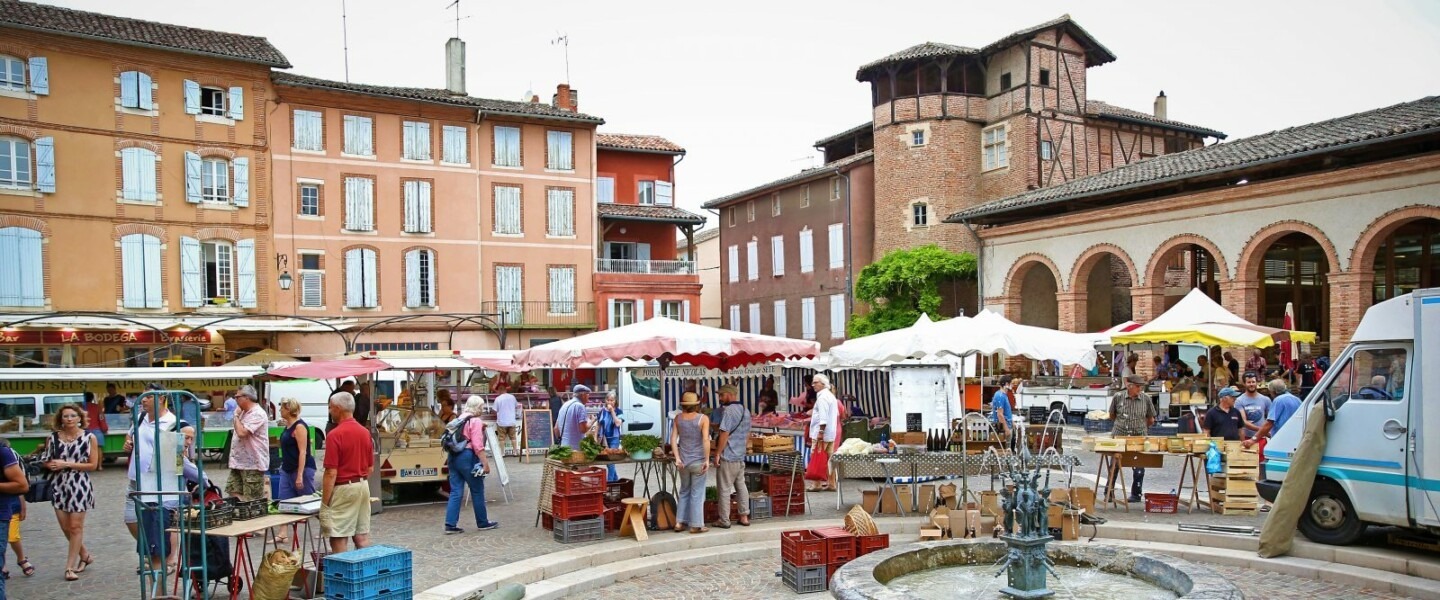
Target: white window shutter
[[312, 289], [130, 90], [148, 188], [372, 294], [192, 177], [237, 103], [605, 190], [146, 94], [354, 278], [807, 251], [412, 278], [423, 190], [192, 97], [245, 270], [242, 181], [45, 164], [837, 316], [837, 246], [154, 294], [780, 325], [642, 252], [734, 264], [777, 255], [655, 308], [412, 208], [755, 318], [685, 311], [351, 129], [752, 260], [192, 282], [39, 76], [611, 322], [407, 140], [639, 310], [132, 267], [367, 137], [664, 193]]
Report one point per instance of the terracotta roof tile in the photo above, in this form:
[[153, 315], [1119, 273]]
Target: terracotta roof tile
[[645, 212], [856, 130], [1106, 110], [637, 142], [440, 96], [1096, 54]]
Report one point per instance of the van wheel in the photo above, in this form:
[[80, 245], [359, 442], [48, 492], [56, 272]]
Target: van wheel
[[1329, 517]]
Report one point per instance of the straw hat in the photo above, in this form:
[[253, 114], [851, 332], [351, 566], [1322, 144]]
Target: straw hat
[[689, 399]]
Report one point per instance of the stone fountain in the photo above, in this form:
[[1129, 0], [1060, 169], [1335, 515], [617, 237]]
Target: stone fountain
[[1027, 527]]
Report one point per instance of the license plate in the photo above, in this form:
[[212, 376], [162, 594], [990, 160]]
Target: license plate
[[431, 472]]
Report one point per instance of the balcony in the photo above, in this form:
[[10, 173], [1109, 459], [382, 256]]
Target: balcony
[[644, 267], [544, 314]]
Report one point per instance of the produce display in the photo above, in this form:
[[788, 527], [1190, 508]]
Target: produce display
[[780, 420], [591, 448], [559, 452], [632, 443]]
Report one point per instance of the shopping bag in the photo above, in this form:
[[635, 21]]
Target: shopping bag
[[818, 469]]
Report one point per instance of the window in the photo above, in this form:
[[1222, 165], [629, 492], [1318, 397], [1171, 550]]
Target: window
[[671, 309], [559, 154], [510, 292], [735, 317], [137, 174], [750, 211], [507, 210], [136, 91], [805, 196], [310, 199], [1175, 144], [774, 205], [920, 214], [1044, 76], [730, 216], [1371, 374], [140, 271], [359, 135], [752, 260], [646, 192], [312, 281], [219, 270], [807, 251], [562, 290], [360, 273], [12, 73], [1047, 150], [309, 131], [622, 313], [560, 213], [454, 145], [837, 246], [359, 204], [834, 188], [837, 316], [214, 101], [507, 146], [215, 180], [734, 264], [780, 326], [755, 318], [22, 271], [15, 163], [807, 318], [417, 207], [777, 255], [420, 278], [416, 140], [605, 190], [1004, 81], [995, 154], [917, 137]]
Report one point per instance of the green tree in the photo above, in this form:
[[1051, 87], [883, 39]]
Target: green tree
[[904, 284]]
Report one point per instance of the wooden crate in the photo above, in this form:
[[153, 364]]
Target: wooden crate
[[1250, 473], [1111, 445], [1225, 508], [1241, 488], [1245, 458]]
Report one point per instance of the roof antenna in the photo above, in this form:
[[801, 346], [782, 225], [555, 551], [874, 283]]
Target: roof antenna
[[345, 39], [564, 40], [458, 18]]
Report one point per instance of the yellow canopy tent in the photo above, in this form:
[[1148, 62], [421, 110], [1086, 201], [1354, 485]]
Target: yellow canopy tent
[[1197, 319]]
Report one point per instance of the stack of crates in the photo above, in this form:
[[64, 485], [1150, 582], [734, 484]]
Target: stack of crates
[[865, 544], [372, 573], [787, 494], [759, 505], [1237, 494], [578, 505], [840, 548], [803, 561]]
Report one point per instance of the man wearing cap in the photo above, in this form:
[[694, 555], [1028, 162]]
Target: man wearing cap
[[730, 454], [1133, 414], [1224, 420], [570, 425]]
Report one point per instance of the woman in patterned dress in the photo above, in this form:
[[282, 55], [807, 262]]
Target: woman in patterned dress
[[73, 454]]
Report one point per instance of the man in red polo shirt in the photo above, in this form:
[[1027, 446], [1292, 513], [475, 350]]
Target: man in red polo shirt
[[345, 495]]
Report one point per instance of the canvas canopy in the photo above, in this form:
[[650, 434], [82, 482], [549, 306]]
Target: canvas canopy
[[668, 341], [1197, 319], [986, 333]]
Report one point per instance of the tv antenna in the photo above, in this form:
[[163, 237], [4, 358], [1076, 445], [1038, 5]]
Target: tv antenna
[[810, 160], [458, 18], [345, 39], [561, 39]]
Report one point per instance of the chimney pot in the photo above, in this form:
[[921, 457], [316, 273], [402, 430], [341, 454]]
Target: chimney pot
[[455, 66], [565, 98], [1161, 108]]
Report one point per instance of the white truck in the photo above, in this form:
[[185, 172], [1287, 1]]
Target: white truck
[[1378, 466]]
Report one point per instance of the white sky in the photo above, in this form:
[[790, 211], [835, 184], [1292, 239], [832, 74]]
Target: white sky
[[747, 86]]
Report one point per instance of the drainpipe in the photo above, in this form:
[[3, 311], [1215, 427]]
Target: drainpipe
[[979, 267], [849, 250]]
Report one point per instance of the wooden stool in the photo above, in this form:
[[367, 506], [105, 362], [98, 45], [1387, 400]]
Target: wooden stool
[[633, 521]]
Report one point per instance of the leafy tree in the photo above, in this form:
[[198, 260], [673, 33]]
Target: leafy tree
[[904, 284]]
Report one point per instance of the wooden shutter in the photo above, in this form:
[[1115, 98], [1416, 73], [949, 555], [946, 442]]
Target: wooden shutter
[[807, 251], [146, 94], [837, 246], [639, 304], [777, 255], [755, 318], [45, 164], [734, 264], [129, 89], [605, 190], [560, 205], [192, 281], [664, 193], [412, 207], [371, 291], [132, 271], [237, 103], [359, 204], [354, 278], [192, 177], [245, 273], [562, 290], [752, 259], [412, 278], [780, 325], [242, 181], [734, 317], [837, 316], [422, 189], [312, 289], [407, 141], [130, 173], [685, 310], [509, 293], [192, 97], [22, 272], [807, 318], [39, 76], [456, 143], [507, 210]]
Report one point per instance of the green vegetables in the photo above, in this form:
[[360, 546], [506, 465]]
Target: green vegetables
[[591, 448], [559, 452], [633, 443]]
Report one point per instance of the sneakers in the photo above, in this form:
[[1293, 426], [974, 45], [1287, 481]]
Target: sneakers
[[452, 530], [488, 526]]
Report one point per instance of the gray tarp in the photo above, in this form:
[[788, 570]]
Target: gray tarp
[[1279, 530]]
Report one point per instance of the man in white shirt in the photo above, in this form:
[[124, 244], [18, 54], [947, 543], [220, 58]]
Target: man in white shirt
[[507, 410], [824, 423]]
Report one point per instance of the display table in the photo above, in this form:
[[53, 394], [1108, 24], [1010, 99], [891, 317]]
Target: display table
[[661, 470], [304, 539], [934, 465]]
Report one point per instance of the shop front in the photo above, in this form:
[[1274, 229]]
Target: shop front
[[42, 348]]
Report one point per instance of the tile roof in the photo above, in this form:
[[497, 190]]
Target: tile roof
[[135, 32], [807, 174], [637, 143], [645, 212], [1370, 127], [1096, 54], [700, 237], [1105, 110], [861, 128], [439, 96]]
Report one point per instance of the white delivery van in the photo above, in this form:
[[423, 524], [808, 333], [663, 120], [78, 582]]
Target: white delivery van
[[1378, 466], [639, 397]]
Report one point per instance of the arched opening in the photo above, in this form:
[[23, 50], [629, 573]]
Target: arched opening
[[1039, 304], [1408, 259], [1107, 293], [1293, 271], [1188, 267]]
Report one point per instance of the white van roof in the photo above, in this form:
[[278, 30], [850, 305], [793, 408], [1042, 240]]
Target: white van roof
[[1393, 319]]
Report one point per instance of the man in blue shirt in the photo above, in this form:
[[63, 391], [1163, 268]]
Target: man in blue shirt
[[1284, 406], [13, 484], [1002, 405]]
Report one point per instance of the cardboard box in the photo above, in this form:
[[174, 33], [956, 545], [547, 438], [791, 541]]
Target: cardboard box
[[930, 533], [1059, 494], [906, 500], [870, 500], [927, 496], [1070, 525], [1056, 512], [887, 502], [972, 523], [990, 504], [942, 522], [1083, 498], [987, 526]]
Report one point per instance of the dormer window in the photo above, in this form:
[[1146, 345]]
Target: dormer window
[[1004, 81]]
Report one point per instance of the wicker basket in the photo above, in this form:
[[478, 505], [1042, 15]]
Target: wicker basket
[[858, 522]]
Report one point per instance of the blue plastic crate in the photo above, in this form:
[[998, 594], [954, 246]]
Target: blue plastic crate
[[370, 588], [357, 565]]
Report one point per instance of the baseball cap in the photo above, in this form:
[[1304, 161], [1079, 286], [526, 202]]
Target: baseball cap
[[1230, 392]]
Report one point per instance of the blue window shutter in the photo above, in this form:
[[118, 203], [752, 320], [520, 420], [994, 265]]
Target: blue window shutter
[[129, 91], [192, 97], [154, 295], [642, 252], [192, 178], [22, 274], [192, 283], [132, 270], [245, 269], [148, 189], [39, 76], [45, 164], [130, 175], [146, 98], [237, 103], [242, 182]]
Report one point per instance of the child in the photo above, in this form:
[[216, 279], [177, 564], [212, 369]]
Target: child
[[22, 561]]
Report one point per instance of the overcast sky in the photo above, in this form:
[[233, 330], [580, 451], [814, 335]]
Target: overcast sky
[[748, 86]]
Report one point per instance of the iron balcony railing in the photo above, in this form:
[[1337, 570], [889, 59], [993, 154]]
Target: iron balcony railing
[[544, 314], [655, 267]]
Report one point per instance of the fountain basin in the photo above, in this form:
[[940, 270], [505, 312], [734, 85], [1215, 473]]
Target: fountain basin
[[865, 578]]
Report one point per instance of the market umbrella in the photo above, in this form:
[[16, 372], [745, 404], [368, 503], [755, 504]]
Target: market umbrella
[[1287, 349], [1197, 319], [916, 341], [330, 369]]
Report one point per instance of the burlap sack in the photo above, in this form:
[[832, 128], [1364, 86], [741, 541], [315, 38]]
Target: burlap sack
[[272, 579]]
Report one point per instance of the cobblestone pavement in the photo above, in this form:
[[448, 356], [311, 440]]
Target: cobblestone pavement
[[438, 558]]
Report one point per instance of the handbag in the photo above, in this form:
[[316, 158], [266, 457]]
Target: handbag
[[818, 469], [41, 487]]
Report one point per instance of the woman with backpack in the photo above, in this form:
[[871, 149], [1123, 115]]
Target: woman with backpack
[[464, 441]]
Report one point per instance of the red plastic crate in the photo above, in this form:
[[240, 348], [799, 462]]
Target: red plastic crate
[[612, 517], [787, 509], [584, 481], [840, 544], [802, 548], [830, 570], [1162, 503], [577, 506], [866, 544], [779, 485], [547, 521]]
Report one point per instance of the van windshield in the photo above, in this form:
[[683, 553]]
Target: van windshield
[[1370, 374], [645, 387]]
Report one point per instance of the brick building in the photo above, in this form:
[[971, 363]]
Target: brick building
[[703, 249]]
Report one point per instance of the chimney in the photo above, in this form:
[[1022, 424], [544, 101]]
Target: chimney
[[1160, 108], [455, 66], [565, 98]]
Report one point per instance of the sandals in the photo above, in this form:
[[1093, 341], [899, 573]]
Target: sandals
[[25, 567], [699, 529], [71, 575], [84, 562], [679, 528]]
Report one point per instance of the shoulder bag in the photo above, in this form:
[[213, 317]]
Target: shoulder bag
[[41, 488]]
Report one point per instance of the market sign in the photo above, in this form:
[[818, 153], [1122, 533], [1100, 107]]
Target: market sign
[[201, 387], [684, 372], [144, 337]]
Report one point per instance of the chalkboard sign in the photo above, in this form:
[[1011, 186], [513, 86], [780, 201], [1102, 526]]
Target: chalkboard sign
[[914, 422], [538, 432]]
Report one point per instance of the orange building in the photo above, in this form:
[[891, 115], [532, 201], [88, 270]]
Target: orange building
[[638, 272]]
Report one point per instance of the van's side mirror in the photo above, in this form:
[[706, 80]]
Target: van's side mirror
[[1329, 408]]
